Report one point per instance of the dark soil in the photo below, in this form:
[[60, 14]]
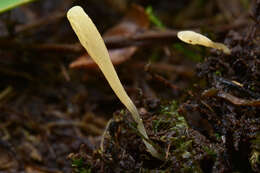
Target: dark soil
[[200, 107]]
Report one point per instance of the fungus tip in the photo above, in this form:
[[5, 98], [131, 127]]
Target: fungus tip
[[194, 38]]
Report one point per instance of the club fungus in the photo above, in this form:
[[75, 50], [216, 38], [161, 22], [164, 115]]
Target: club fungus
[[194, 38], [92, 41]]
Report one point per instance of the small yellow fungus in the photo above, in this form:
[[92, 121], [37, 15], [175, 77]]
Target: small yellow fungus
[[194, 38], [92, 41]]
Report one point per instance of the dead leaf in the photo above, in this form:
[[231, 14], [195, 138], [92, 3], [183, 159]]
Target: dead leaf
[[32, 151], [117, 56], [7, 161], [35, 169]]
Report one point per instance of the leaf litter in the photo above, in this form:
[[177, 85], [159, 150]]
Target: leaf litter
[[209, 124]]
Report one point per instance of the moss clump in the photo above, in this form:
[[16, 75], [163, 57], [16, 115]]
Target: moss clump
[[79, 166], [180, 156], [255, 154], [184, 149]]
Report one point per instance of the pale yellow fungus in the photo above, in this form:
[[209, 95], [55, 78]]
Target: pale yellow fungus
[[92, 41], [194, 38]]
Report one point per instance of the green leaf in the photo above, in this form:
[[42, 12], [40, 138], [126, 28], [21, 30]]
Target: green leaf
[[6, 5]]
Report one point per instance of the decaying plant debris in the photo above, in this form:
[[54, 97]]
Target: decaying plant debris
[[200, 107], [222, 127]]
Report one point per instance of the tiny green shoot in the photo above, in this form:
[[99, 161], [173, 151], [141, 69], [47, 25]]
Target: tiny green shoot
[[153, 18]]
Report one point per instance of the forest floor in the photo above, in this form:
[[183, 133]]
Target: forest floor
[[200, 107]]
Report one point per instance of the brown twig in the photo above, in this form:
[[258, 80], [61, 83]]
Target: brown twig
[[167, 68], [52, 18], [161, 79], [146, 38], [149, 37]]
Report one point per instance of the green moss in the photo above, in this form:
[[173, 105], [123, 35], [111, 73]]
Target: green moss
[[157, 124], [175, 126], [218, 73], [79, 166], [210, 152], [218, 136], [252, 88], [255, 154], [170, 109]]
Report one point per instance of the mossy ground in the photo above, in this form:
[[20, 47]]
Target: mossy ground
[[48, 110], [214, 130]]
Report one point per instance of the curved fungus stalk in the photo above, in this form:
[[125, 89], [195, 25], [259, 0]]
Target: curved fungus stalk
[[194, 38], [92, 41]]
